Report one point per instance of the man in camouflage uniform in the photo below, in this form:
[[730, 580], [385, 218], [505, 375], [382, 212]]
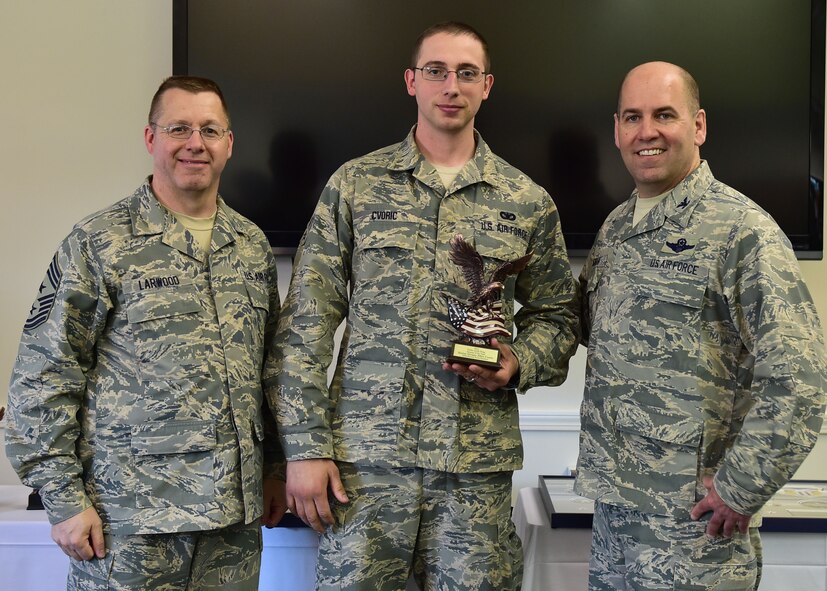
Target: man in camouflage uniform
[[136, 401], [418, 453], [705, 376]]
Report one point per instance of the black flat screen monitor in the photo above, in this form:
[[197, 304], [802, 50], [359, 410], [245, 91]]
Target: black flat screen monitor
[[313, 83]]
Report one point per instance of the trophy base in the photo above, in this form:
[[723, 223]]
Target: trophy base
[[469, 354]]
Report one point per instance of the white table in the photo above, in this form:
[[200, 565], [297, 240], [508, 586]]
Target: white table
[[557, 559], [30, 561]]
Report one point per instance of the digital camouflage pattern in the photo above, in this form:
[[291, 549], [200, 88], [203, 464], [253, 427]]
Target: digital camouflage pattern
[[376, 253], [638, 551], [705, 355], [140, 394], [458, 526], [215, 560]]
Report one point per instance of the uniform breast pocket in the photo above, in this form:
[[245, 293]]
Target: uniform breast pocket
[[174, 463], [665, 318], [382, 263], [166, 324]]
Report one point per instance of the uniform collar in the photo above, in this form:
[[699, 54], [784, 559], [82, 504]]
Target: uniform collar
[[149, 217], [147, 214], [676, 207], [679, 205], [483, 166]]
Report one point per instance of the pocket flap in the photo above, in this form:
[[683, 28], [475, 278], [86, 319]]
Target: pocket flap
[[373, 376], [682, 289], [501, 249], [380, 234], [173, 438], [657, 423], [162, 303]]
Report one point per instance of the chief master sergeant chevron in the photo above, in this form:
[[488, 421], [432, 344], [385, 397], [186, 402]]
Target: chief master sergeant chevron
[[705, 375], [418, 453], [136, 403]]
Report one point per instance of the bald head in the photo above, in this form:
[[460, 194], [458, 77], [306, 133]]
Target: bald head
[[666, 72]]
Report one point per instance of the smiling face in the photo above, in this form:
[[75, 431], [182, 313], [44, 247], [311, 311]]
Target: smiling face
[[186, 172], [658, 128], [448, 106]]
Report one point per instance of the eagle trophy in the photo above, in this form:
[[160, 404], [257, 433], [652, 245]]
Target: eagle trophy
[[481, 318]]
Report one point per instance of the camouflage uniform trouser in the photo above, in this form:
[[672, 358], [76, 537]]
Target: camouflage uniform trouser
[[227, 558], [452, 531], [633, 550]]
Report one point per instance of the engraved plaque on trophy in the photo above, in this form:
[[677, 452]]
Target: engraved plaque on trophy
[[480, 318]]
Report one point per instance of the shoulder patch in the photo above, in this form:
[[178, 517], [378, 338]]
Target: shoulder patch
[[45, 300]]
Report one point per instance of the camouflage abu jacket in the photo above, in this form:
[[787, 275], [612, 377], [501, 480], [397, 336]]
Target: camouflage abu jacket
[[137, 387], [705, 355], [376, 254]]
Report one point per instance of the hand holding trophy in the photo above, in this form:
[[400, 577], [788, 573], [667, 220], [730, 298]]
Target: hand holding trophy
[[481, 318]]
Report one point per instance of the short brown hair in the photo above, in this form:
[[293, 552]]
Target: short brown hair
[[452, 28], [193, 84]]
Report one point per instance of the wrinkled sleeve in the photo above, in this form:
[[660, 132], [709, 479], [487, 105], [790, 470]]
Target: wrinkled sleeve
[[316, 303], [777, 322], [48, 383], [547, 323], [274, 464]]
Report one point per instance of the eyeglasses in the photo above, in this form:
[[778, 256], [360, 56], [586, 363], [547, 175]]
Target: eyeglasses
[[440, 73], [179, 131]]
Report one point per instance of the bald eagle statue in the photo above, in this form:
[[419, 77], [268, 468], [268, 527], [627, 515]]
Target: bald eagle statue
[[481, 317]]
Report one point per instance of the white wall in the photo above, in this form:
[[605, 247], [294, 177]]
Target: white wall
[[77, 81]]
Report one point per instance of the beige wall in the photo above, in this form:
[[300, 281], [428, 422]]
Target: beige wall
[[815, 274]]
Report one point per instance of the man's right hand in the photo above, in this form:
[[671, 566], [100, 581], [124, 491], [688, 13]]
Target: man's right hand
[[307, 485], [81, 536]]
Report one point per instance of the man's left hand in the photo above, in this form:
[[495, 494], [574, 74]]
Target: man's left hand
[[275, 501], [724, 520], [484, 377]]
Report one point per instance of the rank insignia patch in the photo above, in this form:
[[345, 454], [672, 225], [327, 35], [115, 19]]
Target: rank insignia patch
[[42, 306]]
